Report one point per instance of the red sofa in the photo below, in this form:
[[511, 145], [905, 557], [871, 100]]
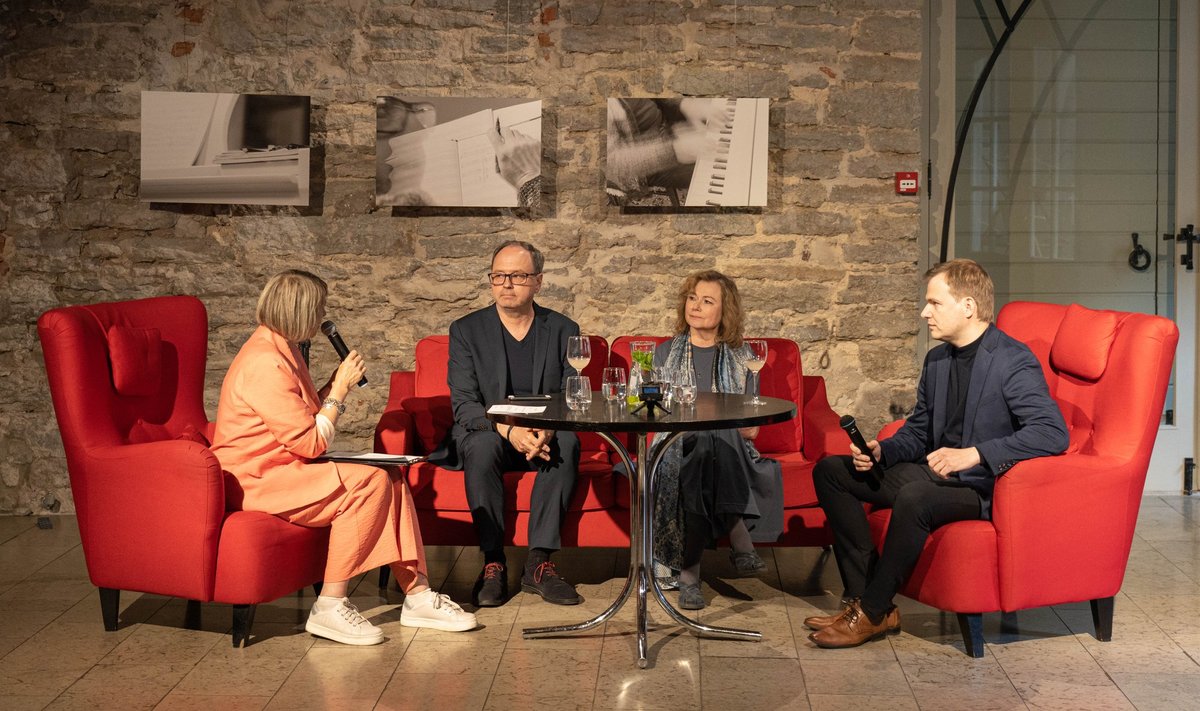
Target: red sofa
[[418, 416], [1061, 526], [416, 420], [127, 381]]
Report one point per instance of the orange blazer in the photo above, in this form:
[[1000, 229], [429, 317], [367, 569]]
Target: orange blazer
[[266, 432]]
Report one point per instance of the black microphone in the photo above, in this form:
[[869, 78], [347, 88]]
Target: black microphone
[[856, 438], [335, 338]]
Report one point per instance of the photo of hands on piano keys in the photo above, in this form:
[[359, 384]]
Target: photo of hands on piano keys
[[688, 152]]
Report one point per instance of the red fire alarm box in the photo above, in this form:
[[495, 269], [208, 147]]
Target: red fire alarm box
[[906, 183]]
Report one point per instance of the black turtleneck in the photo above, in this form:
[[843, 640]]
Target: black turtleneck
[[961, 360]]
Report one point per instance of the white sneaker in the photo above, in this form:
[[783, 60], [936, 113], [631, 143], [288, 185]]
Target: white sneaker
[[435, 611], [343, 623]]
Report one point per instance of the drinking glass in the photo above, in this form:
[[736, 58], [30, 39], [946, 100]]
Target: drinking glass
[[665, 376], [613, 384], [755, 363], [642, 353], [685, 386], [579, 352], [579, 392]]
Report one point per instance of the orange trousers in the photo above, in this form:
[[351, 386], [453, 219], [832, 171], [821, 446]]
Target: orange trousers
[[372, 521]]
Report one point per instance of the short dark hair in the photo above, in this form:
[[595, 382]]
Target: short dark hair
[[539, 260], [966, 277]]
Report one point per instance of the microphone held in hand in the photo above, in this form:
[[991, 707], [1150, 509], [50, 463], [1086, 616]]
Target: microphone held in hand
[[335, 338], [856, 438]]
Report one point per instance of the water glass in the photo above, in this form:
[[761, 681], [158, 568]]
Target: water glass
[[685, 386], [665, 376], [579, 392], [613, 384]]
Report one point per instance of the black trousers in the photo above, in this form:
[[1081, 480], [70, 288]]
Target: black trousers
[[920, 501], [486, 456]]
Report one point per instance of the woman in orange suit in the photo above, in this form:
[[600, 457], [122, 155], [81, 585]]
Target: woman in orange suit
[[272, 421]]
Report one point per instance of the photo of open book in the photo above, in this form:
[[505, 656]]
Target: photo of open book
[[249, 149], [462, 152]]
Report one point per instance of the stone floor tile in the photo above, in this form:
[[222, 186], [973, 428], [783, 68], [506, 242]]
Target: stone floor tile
[[752, 684], [176, 701], [433, 692], [854, 676]]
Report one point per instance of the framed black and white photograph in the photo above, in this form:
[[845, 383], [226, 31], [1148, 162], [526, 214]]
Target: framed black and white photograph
[[458, 152], [244, 149], [689, 152]]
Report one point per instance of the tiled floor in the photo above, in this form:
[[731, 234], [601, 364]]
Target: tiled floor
[[55, 654]]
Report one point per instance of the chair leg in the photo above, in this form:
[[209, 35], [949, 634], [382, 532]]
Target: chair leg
[[191, 615], [110, 605], [243, 618], [1008, 623], [1102, 616], [971, 627], [384, 574]]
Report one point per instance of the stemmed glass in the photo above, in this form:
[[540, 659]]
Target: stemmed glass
[[579, 352], [755, 363]]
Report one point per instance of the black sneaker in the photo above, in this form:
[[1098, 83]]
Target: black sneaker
[[491, 589], [544, 580]]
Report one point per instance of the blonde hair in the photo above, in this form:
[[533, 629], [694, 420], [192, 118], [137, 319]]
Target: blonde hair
[[291, 303], [966, 278], [730, 329]]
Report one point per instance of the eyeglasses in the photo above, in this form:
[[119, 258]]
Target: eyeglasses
[[517, 278]]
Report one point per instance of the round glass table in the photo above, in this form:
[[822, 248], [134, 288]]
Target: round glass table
[[711, 411]]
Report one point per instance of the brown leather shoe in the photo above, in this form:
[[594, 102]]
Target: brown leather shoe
[[820, 622], [854, 628]]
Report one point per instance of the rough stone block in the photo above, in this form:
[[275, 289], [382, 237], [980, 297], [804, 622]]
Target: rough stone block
[[704, 81], [873, 106]]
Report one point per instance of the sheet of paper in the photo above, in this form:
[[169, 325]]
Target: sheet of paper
[[370, 457], [516, 409]]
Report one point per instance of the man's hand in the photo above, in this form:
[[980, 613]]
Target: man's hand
[[862, 462], [518, 156], [947, 460], [530, 442]]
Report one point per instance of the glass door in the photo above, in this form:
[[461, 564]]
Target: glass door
[[1068, 176]]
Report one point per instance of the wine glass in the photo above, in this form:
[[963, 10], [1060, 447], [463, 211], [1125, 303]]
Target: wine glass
[[612, 386], [579, 392], [579, 352], [755, 363]]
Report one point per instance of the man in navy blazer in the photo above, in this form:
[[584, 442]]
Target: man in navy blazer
[[513, 347], [982, 406]]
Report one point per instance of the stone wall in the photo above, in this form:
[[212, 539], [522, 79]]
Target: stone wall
[[831, 262]]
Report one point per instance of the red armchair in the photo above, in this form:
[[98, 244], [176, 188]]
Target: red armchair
[[127, 381], [1062, 526], [416, 420], [797, 444]]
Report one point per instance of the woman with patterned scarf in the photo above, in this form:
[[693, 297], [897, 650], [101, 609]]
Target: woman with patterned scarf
[[713, 483]]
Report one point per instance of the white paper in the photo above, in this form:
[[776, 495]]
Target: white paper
[[371, 457], [516, 409]]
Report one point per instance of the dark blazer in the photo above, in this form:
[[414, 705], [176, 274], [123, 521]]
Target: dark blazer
[[1010, 415], [478, 372]]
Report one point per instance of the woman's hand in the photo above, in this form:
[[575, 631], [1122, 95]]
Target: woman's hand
[[748, 432], [347, 376]]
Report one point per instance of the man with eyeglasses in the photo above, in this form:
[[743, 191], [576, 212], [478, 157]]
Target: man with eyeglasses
[[513, 347]]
